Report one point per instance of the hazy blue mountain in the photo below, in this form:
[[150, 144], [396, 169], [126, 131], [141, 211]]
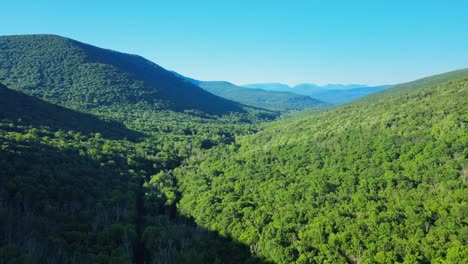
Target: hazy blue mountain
[[269, 86], [271, 100], [343, 96], [307, 86], [330, 93]]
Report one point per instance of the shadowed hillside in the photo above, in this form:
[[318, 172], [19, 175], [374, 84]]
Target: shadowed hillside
[[32, 111]]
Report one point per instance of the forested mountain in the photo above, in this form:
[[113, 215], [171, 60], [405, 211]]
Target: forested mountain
[[85, 171], [81, 76], [382, 180], [330, 93], [120, 87], [271, 100]]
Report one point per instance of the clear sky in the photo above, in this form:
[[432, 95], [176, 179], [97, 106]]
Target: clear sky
[[328, 41]]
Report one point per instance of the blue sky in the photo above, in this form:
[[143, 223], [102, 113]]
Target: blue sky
[[328, 41]]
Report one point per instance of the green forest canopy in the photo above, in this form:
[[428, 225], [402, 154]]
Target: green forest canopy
[[77, 188], [378, 181]]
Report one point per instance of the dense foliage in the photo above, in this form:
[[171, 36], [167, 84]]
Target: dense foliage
[[75, 188], [379, 181]]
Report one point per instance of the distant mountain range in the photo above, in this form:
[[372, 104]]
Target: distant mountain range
[[330, 93], [271, 100], [302, 86]]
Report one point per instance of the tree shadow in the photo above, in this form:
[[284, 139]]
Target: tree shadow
[[16, 106], [181, 240], [59, 205]]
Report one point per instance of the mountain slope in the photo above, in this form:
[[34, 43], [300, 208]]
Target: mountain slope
[[421, 83], [377, 181], [81, 76]]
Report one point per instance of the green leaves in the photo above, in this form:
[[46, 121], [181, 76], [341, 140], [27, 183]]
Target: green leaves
[[376, 181]]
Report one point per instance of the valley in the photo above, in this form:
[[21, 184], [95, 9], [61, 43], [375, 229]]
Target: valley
[[106, 157]]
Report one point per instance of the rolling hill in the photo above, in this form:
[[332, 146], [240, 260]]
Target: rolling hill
[[381, 180], [80, 76], [271, 100]]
